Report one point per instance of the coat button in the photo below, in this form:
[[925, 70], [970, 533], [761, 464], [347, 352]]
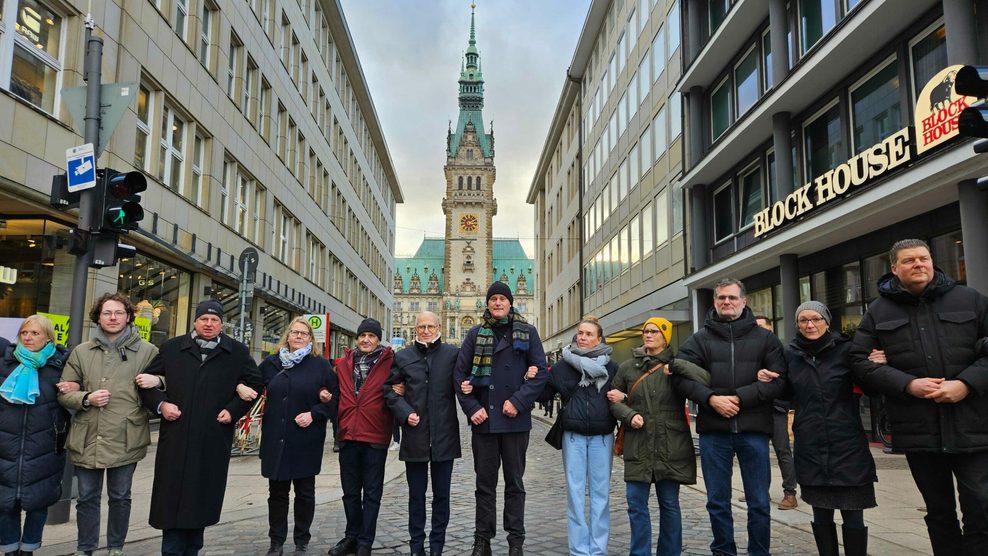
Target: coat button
[[492, 386], [99, 437]]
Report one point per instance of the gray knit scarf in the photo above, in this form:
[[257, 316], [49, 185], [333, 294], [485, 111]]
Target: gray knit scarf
[[99, 336], [592, 363], [205, 346], [362, 365]]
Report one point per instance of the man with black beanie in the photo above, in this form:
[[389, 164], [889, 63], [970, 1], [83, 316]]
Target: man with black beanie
[[365, 426], [497, 394]]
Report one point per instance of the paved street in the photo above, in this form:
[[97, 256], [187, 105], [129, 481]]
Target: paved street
[[896, 526]]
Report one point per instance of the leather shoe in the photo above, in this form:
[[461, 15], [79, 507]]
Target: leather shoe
[[419, 552], [788, 502], [275, 550], [346, 546], [363, 550], [515, 551], [481, 547]]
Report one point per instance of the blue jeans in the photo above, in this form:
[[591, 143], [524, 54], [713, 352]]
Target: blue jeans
[[87, 507], [13, 537], [670, 518], [587, 461], [717, 451]]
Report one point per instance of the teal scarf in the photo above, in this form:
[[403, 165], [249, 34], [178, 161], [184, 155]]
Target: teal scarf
[[21, 386]]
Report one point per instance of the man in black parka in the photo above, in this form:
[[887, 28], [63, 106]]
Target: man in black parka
[[935, 382], [199, 409], [430, 436], [735, 413]]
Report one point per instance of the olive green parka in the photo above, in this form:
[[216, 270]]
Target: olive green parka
[[663, 448], [118, 433]]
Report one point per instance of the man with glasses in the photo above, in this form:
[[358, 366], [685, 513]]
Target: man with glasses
[[430, 440], [935, 383], [110, 431], [735, 416]]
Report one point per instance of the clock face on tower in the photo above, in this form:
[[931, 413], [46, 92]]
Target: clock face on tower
[[468, 223]]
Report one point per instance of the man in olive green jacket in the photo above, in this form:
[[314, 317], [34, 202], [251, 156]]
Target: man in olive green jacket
[[110, 429]]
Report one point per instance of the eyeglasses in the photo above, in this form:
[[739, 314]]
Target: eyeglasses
[[815, 320], [650, 331], [426, 327], [108, 314], [299, 333]]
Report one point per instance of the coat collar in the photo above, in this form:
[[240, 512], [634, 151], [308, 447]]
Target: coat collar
[[225, 343]]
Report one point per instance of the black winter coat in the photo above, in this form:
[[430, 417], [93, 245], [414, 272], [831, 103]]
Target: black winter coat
[[831, 448], [429, 391], [733, 352], [193, 455], [930, 335], [289, 451], [585, 410], [32, 437]]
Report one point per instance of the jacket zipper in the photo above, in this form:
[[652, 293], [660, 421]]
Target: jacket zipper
[[734, 420], [20, 459]]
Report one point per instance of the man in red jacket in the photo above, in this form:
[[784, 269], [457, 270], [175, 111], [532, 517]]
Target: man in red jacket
[[365, 426]]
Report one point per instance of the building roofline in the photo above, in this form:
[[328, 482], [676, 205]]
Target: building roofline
[[339, 29]]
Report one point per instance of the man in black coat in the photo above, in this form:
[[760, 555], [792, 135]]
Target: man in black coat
[[735, 414], [935, 382], [430, 436], [201, 371]]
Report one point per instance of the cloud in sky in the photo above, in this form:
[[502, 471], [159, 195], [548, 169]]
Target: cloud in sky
[[410, 52]]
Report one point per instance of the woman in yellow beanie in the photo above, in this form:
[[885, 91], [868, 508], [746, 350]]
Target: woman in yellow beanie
[[658, 446]]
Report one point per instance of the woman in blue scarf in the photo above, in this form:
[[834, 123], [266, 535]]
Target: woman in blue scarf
[[32, 434], [582, 378], [293, 431]]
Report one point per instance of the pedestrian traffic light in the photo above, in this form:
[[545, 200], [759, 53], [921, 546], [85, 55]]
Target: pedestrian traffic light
[[107, 250], [61, 197], [120, 200]]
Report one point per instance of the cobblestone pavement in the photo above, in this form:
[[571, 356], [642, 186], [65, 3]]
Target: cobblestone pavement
[[545, 516]]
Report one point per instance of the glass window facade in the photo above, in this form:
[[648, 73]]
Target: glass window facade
[[160, 293], [875, 109]]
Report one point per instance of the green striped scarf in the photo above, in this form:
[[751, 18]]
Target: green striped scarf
[[483, 351]]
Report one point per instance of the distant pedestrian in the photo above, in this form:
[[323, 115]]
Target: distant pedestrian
[[294, 431], [420, 393], [780, 439], [833, 462], [935, 384], [201, 371], [366, 428], [649, 399], [735, 413], [32, 433], [497, 394], [110, 431]]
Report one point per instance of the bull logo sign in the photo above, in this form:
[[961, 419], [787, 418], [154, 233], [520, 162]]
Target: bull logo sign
[[937, 109]]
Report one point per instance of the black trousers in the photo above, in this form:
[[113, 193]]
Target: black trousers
[[934, 475], [362, 478], [417, 474], [490, 451], [181, 542], [305, 509]]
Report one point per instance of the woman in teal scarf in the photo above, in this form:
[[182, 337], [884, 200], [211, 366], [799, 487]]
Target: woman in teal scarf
[[32, 432]]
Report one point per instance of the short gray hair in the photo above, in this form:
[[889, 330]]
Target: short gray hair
[[724, 282], [905, 244]]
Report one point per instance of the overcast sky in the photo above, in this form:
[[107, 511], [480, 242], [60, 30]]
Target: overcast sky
[[410, 51]]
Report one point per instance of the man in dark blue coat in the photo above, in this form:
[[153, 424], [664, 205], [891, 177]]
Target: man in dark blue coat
[[421, 396], [496, 394]]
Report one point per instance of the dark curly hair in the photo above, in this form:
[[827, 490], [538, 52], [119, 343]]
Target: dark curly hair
[[115, 296]]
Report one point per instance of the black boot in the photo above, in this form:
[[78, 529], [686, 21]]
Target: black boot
[[826, 539], [515, 551], [481, 547], [855, 540], [363, 550], [346, 546]]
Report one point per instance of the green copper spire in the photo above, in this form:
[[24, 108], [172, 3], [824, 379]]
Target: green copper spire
[[471, 97]]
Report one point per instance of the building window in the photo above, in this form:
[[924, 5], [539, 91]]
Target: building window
[[823, 142], [264, 111], [646, 150], [648, 231], [182, 19], [241, 199], [723, 213], [875, 110], [171, 161], [208, 17], [673, 19], [816, 19], [34, 43], [746, 78], [675, 104], [659, 128], [751, 196], [195, 193], [257, 233], [229, 176], [717, 9], [644, 83], [233, 67], [720, 109], [658, 54], [929, 56], [248, 97], [143, 128]]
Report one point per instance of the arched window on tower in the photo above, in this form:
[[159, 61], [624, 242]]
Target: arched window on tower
[[460, 184], [469, 183], [478, 183]]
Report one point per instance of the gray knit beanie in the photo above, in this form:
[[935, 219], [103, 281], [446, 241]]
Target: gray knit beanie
[[814, 306]]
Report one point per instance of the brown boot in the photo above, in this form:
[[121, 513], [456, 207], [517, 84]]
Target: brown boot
[[788, 502]]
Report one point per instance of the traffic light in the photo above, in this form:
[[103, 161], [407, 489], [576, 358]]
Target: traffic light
[[120, 200], [107, 250], [973, 121], [61, 198]]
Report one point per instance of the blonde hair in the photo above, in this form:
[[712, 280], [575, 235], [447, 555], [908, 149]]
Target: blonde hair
[[284, 337], [590, 319], [41, 322]]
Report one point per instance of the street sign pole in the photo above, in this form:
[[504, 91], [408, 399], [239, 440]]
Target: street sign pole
[[59, 512]]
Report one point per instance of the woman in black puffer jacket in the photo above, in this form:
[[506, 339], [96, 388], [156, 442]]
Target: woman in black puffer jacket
[[32, 433], [834, 466], [582, 378]]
